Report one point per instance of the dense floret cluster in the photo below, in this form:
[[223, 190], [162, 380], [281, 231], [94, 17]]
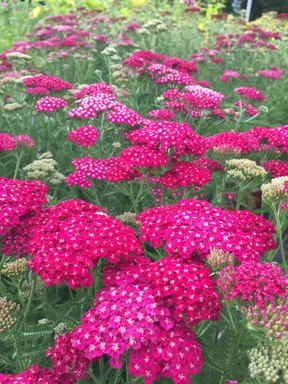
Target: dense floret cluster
[[192, 228]]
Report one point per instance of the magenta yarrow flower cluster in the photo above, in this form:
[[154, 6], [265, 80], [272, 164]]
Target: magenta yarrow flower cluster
[[183, 228], [168, 137], [69, 365], [277, 168], [162, 115], [24, 141], [45, 84], [273, 320], [226, 75], [68, 239], [141, 309], [84, 136], [195, 100], [49, 104], [256, 283], [9, 143], [249, 93], [273, 73], [113, 169], [184, 174], [17, 198], [143, 60]]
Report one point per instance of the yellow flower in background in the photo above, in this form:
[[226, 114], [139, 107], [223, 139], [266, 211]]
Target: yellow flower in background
[[137, 3], [286, 24], [125, 12], [35, 12]]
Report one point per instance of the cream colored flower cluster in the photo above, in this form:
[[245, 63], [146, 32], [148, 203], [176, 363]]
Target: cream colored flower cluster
[[44, 168], [269, 361], [244, 169]]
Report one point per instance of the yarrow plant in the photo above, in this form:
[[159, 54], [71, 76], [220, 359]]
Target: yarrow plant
[[143, 196]]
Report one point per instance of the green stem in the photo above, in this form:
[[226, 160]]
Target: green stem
[[17, 165], [93, 377], [28, 304], [101, 369], [231, 317], [18, 353], [238, 201], [279, 234], [232, 356]]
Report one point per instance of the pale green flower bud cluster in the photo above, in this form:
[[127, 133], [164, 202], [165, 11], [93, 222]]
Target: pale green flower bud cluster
[[61, 329], [274, 191], [17, 56], [7, 312], [44, 168], [127, 217], [15, 269], [273, 320], [244, 169], [12, 106], [109, 51], [116, 145], [217, 259], [152, 26], [27, 285], [270, 361]]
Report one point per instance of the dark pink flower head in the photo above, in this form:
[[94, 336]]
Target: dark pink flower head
[[24, 141], [112, 169], [192, 228], [183, 174], [84, 136], [275, 139], [249, 93], [277, 168], [161, 74], [132, 26], [67, 360], [251, 110], [17, 198], [180, 65], [272, 73], [186, 288], [49, 104], [88, 106], [143, 156], [169, 138], [37, 91], [254, 282], [72, 237], [69, 365], [126, 316], [142, 59], [93, 90], [162, 114], [31, 375], [198, 97], [239, 142], [173, 354], [195, 99], [121, 114], [7, 143], [78, 179], [50, 83]]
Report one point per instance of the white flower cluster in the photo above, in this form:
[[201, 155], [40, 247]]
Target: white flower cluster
[[244, 169], [270, 361], [274, 191], [44, 168], [152, 26]]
